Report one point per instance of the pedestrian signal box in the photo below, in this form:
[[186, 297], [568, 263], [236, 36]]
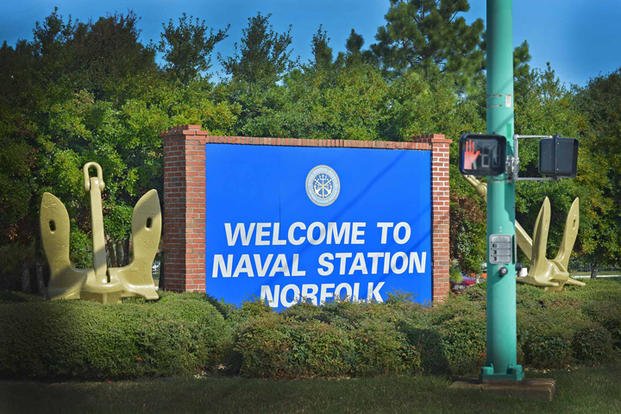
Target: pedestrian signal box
[[482, 155]]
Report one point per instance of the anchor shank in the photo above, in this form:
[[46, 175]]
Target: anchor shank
[[99, 242]]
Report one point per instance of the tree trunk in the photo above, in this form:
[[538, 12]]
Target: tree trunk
[[112, 258], [124, 252], [594, 270], [26, 285], [40, 279]]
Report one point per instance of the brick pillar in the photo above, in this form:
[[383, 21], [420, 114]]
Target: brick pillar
[[440, 199], [184, 209]]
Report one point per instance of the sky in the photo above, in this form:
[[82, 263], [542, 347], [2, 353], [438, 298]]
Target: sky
[[580, 38]]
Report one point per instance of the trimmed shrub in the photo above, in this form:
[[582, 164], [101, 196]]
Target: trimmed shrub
[[548, 350], [545, 332], [275, 347], [592, 345], [556, 329], [188, 333], [450, 338], [380, 349], [320, 349], [263, 345], [349, 315], [608, 314], [429, 344], [463, 343], [307, 341], [79, 339]]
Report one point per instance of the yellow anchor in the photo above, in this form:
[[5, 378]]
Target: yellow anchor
[[551, 274], [102, 284]]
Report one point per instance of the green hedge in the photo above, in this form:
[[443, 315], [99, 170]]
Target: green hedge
[[79, 339], [188, 333], [338, 339], [557, 329]]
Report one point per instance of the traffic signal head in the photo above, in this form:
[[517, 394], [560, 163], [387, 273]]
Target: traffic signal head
[[482, 155], [558, 157]]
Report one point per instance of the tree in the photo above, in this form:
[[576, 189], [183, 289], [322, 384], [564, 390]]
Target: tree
[[187, 47], [263, 56], [429, 35], [83, 92], [322, 52], [107, 59], [600, 101], [354, 55], [342, 104], [546, 107]]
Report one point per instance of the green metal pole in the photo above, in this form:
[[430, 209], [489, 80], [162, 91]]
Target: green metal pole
[[501, 303]]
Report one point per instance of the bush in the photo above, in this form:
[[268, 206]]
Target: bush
[[13, 257], [453, 346], [577, 325], [463, 342], [338, 339], [380, 349], [608, 314], [188, 333], [79, 339], [548, 350], [275, 347], [592, 345]]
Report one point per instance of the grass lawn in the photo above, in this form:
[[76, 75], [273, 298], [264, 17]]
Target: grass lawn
[[583, 390]]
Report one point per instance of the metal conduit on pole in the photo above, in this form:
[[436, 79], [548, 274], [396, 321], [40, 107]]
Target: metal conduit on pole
[[501, 361]]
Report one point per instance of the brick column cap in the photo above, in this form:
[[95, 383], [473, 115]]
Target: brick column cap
[[184, 130], [432, 139]]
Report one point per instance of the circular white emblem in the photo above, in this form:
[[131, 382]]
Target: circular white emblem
[[322, 185]]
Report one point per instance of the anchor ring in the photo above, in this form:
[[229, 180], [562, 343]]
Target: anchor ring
[[87, 177]]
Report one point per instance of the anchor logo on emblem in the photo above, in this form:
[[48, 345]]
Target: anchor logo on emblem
[[322, 185]]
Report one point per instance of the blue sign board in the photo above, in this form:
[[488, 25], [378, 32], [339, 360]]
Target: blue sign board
[[286, 224]]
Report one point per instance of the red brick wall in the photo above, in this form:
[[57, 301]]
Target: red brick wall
[[440, 215], [185, 205]]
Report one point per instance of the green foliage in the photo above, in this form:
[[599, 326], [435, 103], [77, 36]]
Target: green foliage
[[455, 274], [548, 350], [78, 92], [545, 108], [15, 259], [15, 189], [187, 47], [339, 339], [322, 52], [556, 329], [468, 232], [86, 340], [185, 334], [354, 55], [263, 55], [271, 346], [592, 344], [347, 104], [381, 349], [463, 343], [600, 102], [450, 338], [429, 35]]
